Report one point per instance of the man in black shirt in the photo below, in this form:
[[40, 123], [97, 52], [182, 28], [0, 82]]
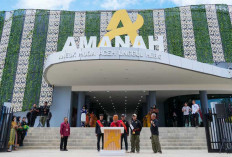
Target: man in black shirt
[[44, 113], [100, 123], [34, 112], [136, 128], [155, 134], [125, 124]]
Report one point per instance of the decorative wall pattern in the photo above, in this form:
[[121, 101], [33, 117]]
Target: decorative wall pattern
[[51, 46], [225, 28], [230, 12], [11, 60], [36, 60], [92, 24], [66, 28], [79, 26], [105, 19], [159, 26], [4, 40], [24, 53], [148, 28], [173, 30], [199, 32], [214, 34], [187, 33], [2, 17]]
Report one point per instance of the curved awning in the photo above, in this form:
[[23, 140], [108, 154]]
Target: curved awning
[[132, 69]]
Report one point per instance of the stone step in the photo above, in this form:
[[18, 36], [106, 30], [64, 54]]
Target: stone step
[[94, 144], [94, 140], [84, 138], [94, 147]]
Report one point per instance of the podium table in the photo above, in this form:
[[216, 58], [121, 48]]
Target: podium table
[[112, 140]]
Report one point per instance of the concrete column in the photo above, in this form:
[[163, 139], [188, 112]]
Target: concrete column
[[204, 101], [147, 100], [144, 109], [152, 99], [80, 103], [61, 105], [161, 114]]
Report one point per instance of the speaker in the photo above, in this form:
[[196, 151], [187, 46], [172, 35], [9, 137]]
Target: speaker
[[220, 110]]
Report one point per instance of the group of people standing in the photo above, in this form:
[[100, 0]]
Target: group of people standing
[[195, 112], [87, 119], [18, 132], [135, 128], [43, 112], [147, 118]]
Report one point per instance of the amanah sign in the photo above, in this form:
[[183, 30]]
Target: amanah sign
[[130, 29]]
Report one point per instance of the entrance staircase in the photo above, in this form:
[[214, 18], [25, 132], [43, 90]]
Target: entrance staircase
[[84, 138]]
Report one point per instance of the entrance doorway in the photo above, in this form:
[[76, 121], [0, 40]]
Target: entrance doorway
[[113, 102]]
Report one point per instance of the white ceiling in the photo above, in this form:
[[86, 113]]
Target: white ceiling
[[102, 75]]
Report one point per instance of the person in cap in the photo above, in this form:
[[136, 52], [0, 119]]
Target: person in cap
[[126, 125], [100, 123], [136, 128], [115, 122], [155, 134]]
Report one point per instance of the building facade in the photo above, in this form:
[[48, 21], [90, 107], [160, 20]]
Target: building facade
[[200, 34]]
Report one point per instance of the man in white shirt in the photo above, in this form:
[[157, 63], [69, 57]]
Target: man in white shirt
[[195, 115], [185, 110]]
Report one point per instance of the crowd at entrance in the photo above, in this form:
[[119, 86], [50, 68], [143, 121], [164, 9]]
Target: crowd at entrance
[[190, 115]]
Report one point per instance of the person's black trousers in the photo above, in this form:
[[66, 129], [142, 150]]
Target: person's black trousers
[[23, 134], [186, 120], [195, 119], [32, 121], [48, 122], [99, 136], [63, 142], [124, 136]]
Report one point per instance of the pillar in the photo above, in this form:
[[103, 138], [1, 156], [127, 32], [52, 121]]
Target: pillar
[[80, 103], [61, 106], [151, 99], [144, 109], [204, 101]]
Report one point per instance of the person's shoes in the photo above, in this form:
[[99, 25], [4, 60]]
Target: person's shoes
[[137, 152], [155, 152], [160, 152], [65, 149], [132, 152], [98, 150], [61, 149]]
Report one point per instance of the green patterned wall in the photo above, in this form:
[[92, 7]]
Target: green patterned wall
[[174, 33], [92, 25], [2, 16], [66, 27], [36, 60], [225, 30], [148, 27], [201, 33], [7, 82]]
